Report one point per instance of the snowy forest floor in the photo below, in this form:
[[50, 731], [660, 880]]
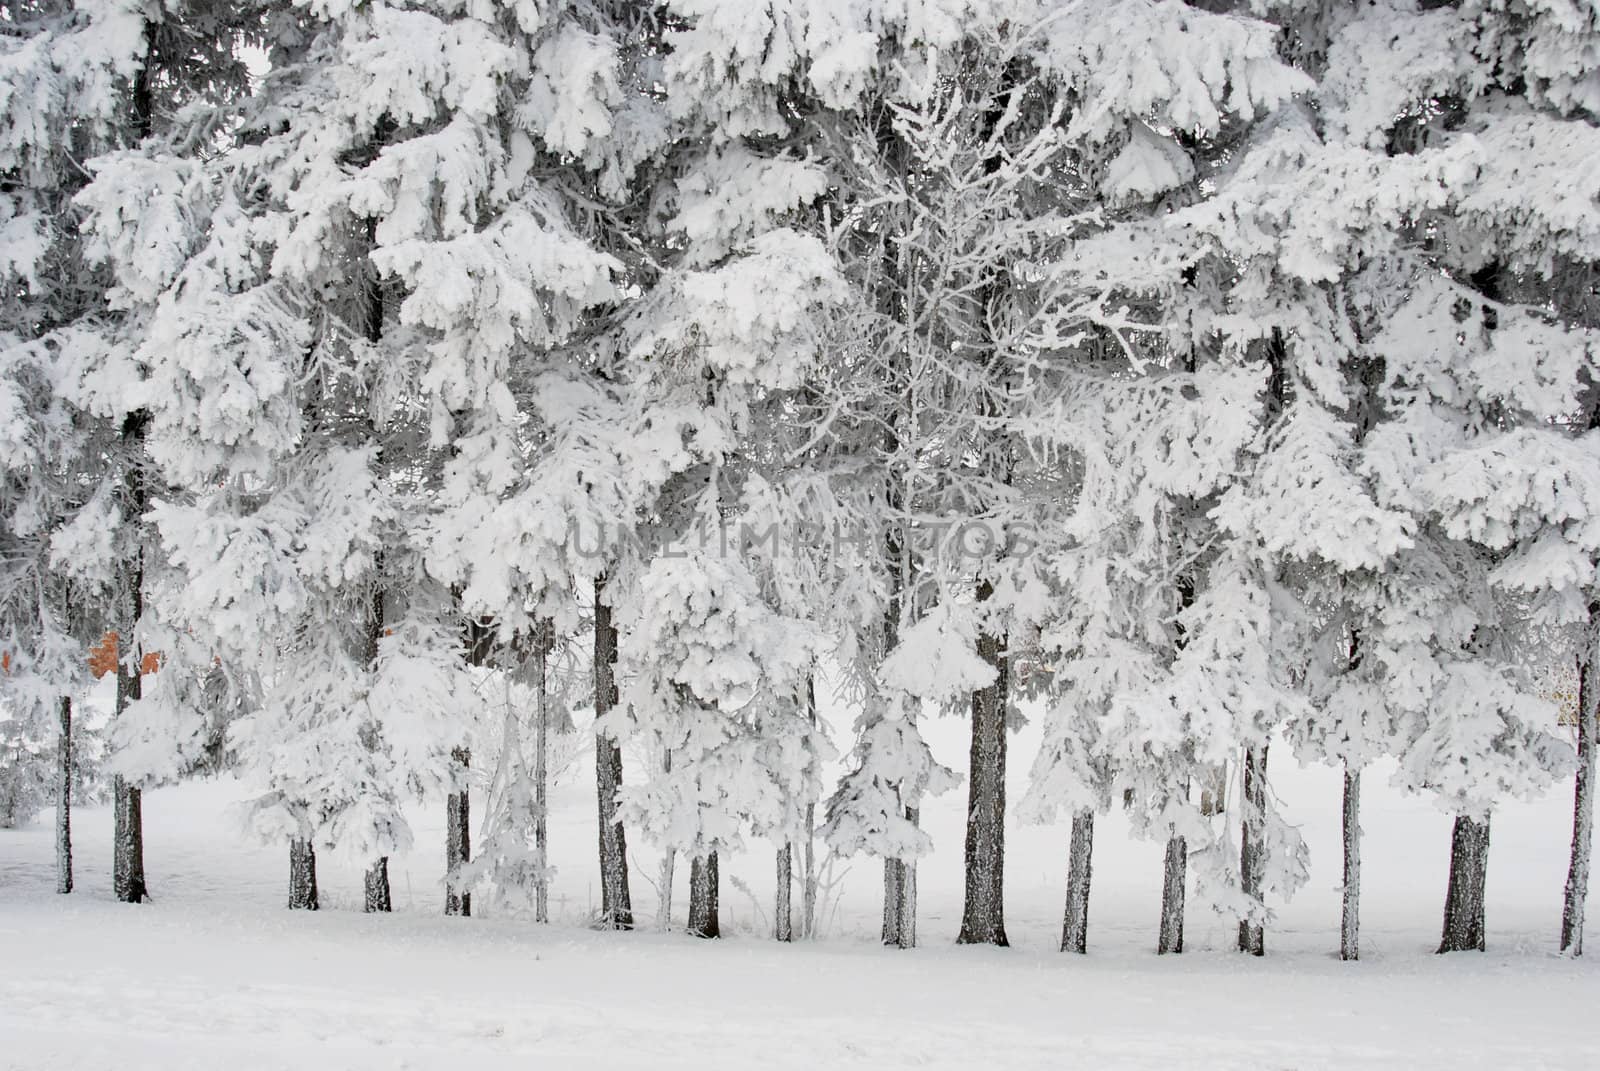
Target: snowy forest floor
[[215, 973]]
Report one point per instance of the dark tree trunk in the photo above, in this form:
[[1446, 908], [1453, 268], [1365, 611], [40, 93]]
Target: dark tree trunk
[[64, 799], [127, 866], [1075, 927], [900, 898], [1252, 934], [375, 884], [1577, 890], [457, 836], [616, 903], [783, 927], [302, 875], [1174, 873], [1350, 894], [894, 876], [703, 896], [1463, 901], [983, 913], [376, 887]]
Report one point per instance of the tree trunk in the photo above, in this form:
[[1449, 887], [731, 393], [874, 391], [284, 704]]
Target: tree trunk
[[478, 637], [1075, 928], [302, 875], [808, 890], [900, 898], [127, 866], [1577, 890], [64, 799], [1463, 903], [983, 913], [908, 893], [376, 887], [703, 896], [1350, 894], [1175, 867], [1173, 875], [783, 927], [541, 779], [457, 836], [375, 884], [1576, 893], [894, 876], [666, 874], [1252, 932], [616, 903]]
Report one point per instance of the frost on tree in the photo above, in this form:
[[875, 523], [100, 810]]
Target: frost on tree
[[715, 676]]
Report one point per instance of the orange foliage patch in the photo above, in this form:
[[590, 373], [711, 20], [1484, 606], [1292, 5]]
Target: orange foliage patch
[[103, 658]]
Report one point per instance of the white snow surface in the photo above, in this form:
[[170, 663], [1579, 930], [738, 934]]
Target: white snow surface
[[216, 973]]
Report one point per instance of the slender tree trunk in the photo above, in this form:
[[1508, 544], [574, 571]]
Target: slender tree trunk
[[1577, 890], [1252, 934], [1350, 891], [783, 927], [616, 903], [908, 892], [1350, 894], [703, 884], [478, 637], [983, 912], [1173, 875], [64, 799], [899, 875], [302, 875], [457, 836], [666, 874], [127, 868], [541, 779], [1463, 902], [376, 887], [1576, 894], [808, 890], [1075, 927], [1175, 867]]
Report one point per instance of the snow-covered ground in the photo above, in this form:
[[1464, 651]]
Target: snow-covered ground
[[215, 973]]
